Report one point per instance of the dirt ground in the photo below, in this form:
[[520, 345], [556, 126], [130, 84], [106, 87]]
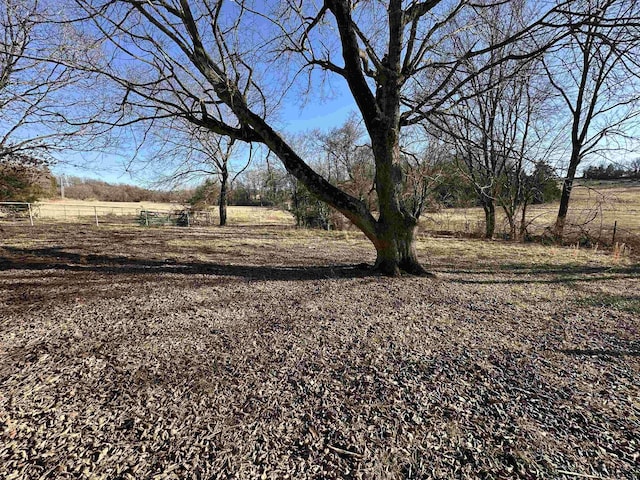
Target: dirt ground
[[265, 352]]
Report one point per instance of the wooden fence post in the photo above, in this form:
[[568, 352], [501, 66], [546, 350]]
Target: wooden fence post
[[95, 212], [615, 227], [30, 214]]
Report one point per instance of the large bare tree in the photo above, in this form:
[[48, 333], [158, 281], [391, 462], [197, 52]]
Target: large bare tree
[[596, 73], [210, 60]]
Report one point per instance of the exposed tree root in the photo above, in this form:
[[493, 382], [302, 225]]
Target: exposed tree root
[[389, 269]]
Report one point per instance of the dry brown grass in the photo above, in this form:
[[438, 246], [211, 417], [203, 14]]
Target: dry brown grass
[[71, 210], [593, 211]]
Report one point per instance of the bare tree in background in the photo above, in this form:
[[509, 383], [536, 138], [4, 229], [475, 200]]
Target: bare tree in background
[[525, 139], [493, 127], [349, 159], [191, 152], [596, 73], [207, 61], [634, 168]]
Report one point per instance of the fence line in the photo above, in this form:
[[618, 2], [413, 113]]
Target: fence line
[[17, 210], [38, 213], [595, 224], [584, 225]]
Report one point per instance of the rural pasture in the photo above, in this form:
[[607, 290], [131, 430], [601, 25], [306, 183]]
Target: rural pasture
[[595, 209], [79, 211], [269, 352]]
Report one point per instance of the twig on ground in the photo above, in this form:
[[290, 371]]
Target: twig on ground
[[582, 475], [344, 452]]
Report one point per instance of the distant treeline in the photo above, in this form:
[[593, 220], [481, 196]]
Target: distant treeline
[[89, 189], [613, 171]]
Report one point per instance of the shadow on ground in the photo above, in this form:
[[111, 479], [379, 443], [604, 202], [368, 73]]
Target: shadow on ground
[[59, 259], [548, 273]]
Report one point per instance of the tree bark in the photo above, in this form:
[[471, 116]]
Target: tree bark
[[222, 203], [395, 229], [396, 252], [567, 186], [513, 230], [523, 220], [489, 218]]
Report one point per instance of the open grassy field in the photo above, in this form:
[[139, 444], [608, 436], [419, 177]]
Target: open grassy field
[[594, 209], [59, 207], [71, 210], [264, 352]]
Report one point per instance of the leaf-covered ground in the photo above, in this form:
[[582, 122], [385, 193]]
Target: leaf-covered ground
[[264, 353]]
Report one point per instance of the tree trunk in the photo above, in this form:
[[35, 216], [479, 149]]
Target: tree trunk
[[396, 226], [510, 212], [395, 229], [489, 217], [296, 204], [567, 186], [396, 251], [513, 229], [222, 203], [523, 220]]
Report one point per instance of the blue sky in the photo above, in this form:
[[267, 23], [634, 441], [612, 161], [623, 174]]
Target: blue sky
[[318, 114], [323, 115]]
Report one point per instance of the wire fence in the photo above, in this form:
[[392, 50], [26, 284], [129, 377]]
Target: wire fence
[[588, 225], [24, 213]]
